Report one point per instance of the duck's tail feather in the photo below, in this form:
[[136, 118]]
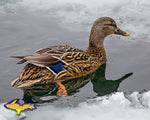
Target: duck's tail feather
[[20, 57]]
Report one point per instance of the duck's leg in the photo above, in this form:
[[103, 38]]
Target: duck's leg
[[61, 90]]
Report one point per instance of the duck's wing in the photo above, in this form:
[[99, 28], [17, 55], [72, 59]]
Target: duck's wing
[[55, 62], [47, 56]]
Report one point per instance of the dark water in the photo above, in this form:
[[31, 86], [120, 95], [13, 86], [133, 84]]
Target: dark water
[[23, 33]]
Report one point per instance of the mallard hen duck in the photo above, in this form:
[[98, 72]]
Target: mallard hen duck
[[63, 62]]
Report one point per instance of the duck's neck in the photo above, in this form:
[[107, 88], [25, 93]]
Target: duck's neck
[[96, 43], [96, 47]]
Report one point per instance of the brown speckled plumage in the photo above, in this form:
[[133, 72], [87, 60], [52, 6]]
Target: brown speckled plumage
[[78, 62]]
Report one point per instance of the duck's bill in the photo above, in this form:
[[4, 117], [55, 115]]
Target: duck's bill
[[120, 32]]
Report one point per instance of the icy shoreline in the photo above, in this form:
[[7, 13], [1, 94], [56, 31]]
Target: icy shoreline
[[117, 106]]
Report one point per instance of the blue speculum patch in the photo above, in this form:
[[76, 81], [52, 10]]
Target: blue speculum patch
[[57, 67]]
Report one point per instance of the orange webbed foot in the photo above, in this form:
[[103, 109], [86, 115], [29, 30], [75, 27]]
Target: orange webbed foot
[[61, 90]]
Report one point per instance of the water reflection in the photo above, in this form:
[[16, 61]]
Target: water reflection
[[101, 86]]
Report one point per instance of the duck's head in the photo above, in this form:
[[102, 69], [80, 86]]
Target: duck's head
[[101, 28]]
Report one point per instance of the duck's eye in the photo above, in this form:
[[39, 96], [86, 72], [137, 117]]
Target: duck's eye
[[114, 25]]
